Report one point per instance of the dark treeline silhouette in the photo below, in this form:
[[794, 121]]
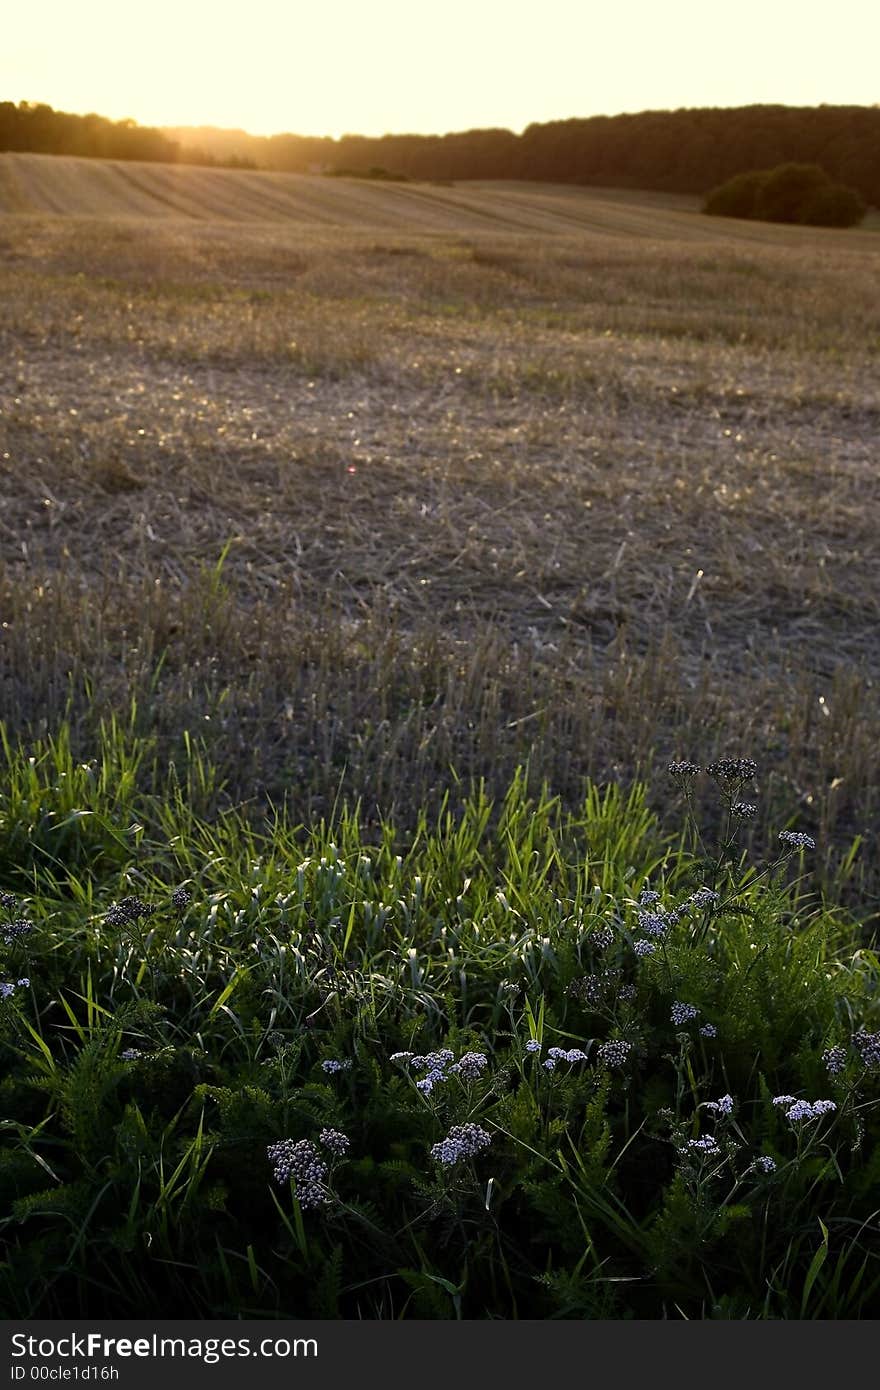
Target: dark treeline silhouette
[[685, 151], [39, 129]]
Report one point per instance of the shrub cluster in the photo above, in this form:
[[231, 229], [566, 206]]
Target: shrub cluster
[[801, 193]]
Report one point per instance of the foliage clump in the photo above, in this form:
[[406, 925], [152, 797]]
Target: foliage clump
[[529, 1063], [792, 193]]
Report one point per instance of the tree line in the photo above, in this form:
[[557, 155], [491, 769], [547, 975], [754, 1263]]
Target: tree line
[[685, 151]]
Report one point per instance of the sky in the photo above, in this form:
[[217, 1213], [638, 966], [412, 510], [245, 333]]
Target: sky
[[375, 66]]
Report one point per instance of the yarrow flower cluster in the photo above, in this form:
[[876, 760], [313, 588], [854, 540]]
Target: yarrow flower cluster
[[471, 1066], [708, 1030], [401, 1056], [703, 897], [683, 771], [647, 897], [644, 948], [7, 988], [797, 839], [131, 1054], [559, 1054], [722, 1106], [834, 1059], [462, 1141], [804, 1109], [127, 912], [733, 769], [868, 1047], [8, 902], [706, 1147], [588, 990], [762, 1164], [533, 1045], [335, 1142], [180, 899], [614, 1053], [332, 1066], [601, 938], [16, 931], [654, 923], [301, 1161], [435, 1064], [683, 1013], [744, 810]]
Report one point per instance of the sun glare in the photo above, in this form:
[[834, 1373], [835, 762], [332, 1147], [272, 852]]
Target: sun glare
[[392, 66]]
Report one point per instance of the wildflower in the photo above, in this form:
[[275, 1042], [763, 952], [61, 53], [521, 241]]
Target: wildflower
[[433, 1061], [744, 810], [762, 1164], [335, 1141], [127, 912], [533, 1045], [707, 1147], [613, 1053], [301, 1161], [587, 990], [683, 1013], [708, 1030], [654, 923], [574, 1054], [131, 1054], [644, 948], [180, 899], [834, 1059], [8, 988], [868, 1047], [601, 938], [783, 1100], [331, 1066], [683, 771], [16, 931], [704, 897], [733, 769], [550, 1064], [626, 993], [462, 1141], [401, 1056], [471, 1066], [647, 897], [797, 839], [723, 1106], [8, 902], [806, 1110]]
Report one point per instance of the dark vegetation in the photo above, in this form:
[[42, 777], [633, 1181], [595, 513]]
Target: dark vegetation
[[685, 151], [792, 193]]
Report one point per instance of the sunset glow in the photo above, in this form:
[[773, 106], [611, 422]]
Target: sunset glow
[[271, 66]]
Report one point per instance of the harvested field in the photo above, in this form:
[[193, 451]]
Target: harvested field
[[363, 483]]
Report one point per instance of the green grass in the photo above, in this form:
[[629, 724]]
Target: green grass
[[142, 1183]]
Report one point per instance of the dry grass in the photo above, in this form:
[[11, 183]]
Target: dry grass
[[591, 498]]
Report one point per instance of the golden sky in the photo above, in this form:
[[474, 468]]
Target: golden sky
[[330, 66]]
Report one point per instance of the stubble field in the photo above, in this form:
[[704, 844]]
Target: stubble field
[[358, 505]]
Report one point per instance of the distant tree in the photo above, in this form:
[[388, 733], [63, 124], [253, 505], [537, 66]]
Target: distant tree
[[787, 190], [789, 193], [738, 197], [833, 206]]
